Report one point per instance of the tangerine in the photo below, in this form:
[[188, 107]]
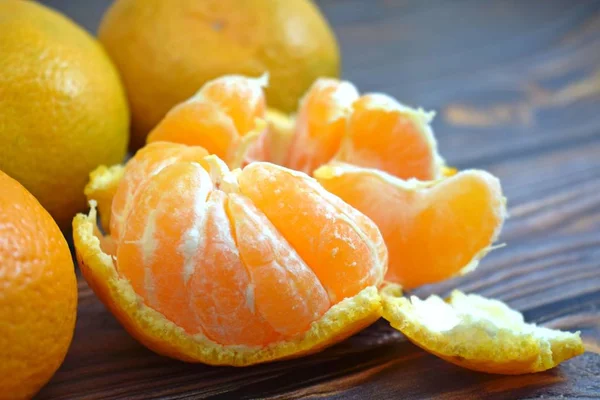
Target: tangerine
[[230, 267], [38, 293]]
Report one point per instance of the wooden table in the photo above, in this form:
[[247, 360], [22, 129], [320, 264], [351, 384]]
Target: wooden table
[[517, 89]]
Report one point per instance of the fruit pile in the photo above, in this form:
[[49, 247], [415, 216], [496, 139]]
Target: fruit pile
[[213, 253], [238, 234]]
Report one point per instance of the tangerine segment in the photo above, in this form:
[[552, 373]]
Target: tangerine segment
[[280, 277], [221, 117], [433, 230], [241, 98], [150, 252], [321, 123], [389, 136], [197, 123], [147, 162], [479, 333], [220, 286], [342, 246], [165, 337]]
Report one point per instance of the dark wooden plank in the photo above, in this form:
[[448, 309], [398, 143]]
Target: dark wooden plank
[[517, 89]]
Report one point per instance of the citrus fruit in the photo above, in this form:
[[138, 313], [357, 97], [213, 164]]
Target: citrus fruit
[[165, 51], [373, 130], [392, 137], [38, 293], [321, 124], [230, 267], [148, 161], [62, 107], [434, 230], [478, 333], [226, 117]]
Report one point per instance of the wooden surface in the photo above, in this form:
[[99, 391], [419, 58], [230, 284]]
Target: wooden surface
[[517, 89]]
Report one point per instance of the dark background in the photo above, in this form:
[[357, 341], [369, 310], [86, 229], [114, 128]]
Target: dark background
[[517, 88]]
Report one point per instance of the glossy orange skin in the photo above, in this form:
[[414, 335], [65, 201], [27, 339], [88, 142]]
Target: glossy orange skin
[[166, 50], [38, 293]]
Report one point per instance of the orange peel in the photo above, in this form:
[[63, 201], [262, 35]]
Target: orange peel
[[102, 187], [477, 333]]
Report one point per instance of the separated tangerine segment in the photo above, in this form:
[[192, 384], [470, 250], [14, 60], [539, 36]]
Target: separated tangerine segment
[[226, 117], [240, 97], [244, 257], [387, 135], [373, 131], [433, 230], [320, 124], [147, 162]]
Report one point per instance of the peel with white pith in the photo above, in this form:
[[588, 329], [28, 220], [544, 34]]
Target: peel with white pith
[[478, 333]]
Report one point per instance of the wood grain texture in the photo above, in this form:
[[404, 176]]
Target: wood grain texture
[[517, 89]]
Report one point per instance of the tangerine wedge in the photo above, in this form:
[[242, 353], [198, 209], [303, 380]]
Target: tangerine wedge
[[434, 230], [392, 137], [226, 117], [227, 267], [477, 333], [373, 131], [321, 123]]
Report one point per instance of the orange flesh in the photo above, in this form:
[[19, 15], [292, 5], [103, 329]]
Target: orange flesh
[[321, 124], [201, 247], [335, 244], [227, 117], [241, 98], [383, 134], [220, 284], [197, 124], [217, 118], [276, 270], [147, 162], [148, 255], [432, 233]]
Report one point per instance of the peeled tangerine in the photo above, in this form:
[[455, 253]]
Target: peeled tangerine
[[478, 333], [228, 267], [261, 263]]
